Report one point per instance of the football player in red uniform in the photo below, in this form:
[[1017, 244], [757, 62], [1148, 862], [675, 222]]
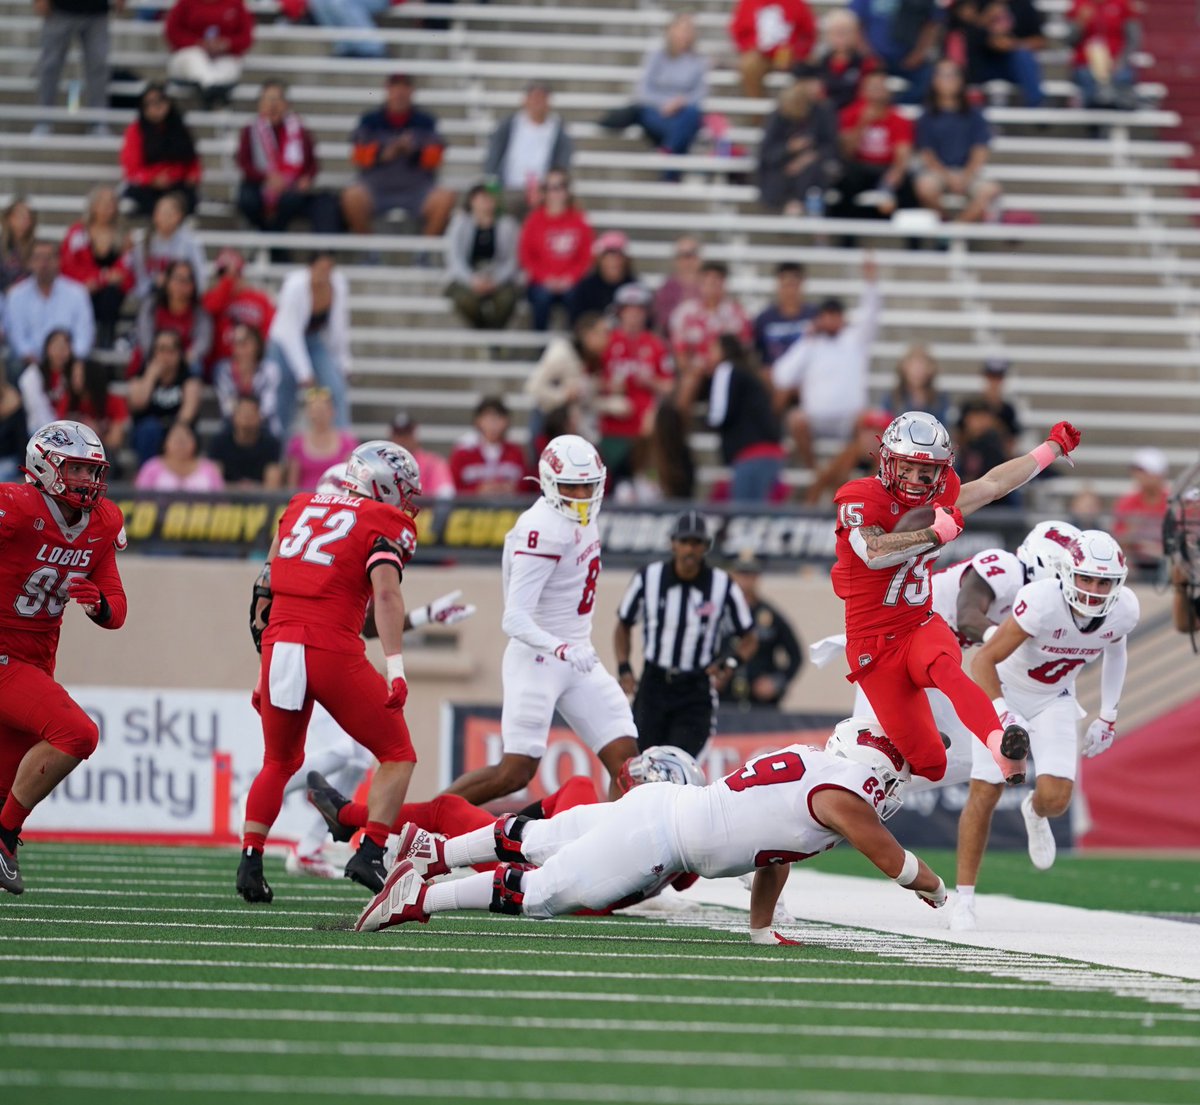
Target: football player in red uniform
[[896, 645], [333, 554], [58, 541]]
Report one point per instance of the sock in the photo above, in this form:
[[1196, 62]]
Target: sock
[[353, 814], [13, 814], [965, 893], [255, 841], [473, 892], [478, 846], [377, 832], [974, 708]]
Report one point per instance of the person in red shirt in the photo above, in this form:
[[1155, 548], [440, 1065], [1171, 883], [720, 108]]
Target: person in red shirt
[[332, 555], [695, 323], [1106, 33], [59, 537], [1138, 515], [175, 306], [876, 143], [555, 248], [158, 154], [231, 303], [488, 464], [637, 374], [95, 251], [770, 35], [208, 39], [896, 646]]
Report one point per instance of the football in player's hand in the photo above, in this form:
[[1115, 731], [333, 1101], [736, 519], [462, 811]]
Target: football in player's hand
[[919, 518]]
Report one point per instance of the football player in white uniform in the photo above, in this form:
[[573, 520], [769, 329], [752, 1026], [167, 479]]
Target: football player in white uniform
[[777, 809], [1029, 665], [550, 571]]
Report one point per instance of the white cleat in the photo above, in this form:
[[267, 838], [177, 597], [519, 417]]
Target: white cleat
[[962, 918], [426, 851], [401, 899], [315, 866], [1042, 848]]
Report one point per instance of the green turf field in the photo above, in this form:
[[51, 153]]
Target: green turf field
[[131, 975]]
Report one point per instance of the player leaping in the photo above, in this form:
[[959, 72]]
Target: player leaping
[[896, 645]]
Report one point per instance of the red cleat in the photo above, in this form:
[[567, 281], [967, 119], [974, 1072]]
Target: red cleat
[[401, 899], [426, 851]]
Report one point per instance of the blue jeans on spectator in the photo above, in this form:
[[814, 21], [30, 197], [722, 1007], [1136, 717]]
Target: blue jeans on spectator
[[542, 301], [1123, 80], [674, 133], [1019, 67], [327, 373], [351, 13], [147, 437], [755, 479], [918, 80]]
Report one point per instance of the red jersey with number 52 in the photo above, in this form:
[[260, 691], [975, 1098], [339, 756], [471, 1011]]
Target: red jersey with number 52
[[884, 600], [39, 556], [319, 579]]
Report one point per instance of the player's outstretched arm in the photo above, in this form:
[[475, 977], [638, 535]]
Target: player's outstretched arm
[[764, 894], [1006, 477], [975, 597]]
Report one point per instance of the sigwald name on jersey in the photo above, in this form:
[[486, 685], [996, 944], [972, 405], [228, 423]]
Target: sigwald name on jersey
[[71, 558]]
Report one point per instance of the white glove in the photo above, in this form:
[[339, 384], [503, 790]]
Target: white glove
[[770, 937], [581, 657], [1099, 737], [935, 898], [1007, 716], [449, 611], [828, 649]]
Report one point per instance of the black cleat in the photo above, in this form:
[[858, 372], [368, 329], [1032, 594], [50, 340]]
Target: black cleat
[[251, 884], [328, 802], [366, 866], [10, 869], [1014, 745]]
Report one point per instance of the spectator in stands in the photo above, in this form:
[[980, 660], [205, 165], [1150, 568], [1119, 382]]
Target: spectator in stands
[[180, 467], [770, 35], [42, 302], [979, 444], [319, 444], [247, 371], [398, 151], [278, 160], [158, 154], [916, 387], [672, 87], [797, 159], [96, 252], [87, 399], [555, 248], [525, 147], [1106, 34], [860, 457], [762, 680], [437, 481], [842, 62], [611, 272], [176, 306], [359, 14], [487, 463], [876, 144], [1086, 509], [163, 393], [681, 285], [782, 323], [1002, 39], [565, 377], [43, 384], [62, 21], [952, 142], [994, 377], [637, 375], [208, 39], [1138, 514], [232, 302], [481, 262], [310, 337], [245, 451], [696, 322], [166, 240], [826, 373], [903, 37], [18, 232], [13, 436], [672, 459]]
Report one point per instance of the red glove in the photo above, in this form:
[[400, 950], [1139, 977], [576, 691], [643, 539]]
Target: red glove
[[84, 591], [1065, 436], [399, 695], [947, 524]]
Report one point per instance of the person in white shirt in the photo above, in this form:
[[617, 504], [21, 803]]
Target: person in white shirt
[[1058, 625], [827, 371], [525, 147], [550, 571]]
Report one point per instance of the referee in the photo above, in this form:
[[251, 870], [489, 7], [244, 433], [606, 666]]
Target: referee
[[681, 603]]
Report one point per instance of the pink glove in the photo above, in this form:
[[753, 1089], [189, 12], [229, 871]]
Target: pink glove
[[947, 524]]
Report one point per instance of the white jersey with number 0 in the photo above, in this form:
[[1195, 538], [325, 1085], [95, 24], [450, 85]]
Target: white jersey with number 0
[[999, 569]]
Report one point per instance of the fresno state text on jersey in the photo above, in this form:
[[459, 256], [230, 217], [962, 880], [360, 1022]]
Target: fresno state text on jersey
[[319, 579], [883, 600]]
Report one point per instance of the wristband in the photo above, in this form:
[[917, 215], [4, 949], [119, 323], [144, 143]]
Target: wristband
[[624, 668], [395, 667], [910, 870], [1110, 721], [989, 633], [1000, 706], [418, 617], [1043, 456]]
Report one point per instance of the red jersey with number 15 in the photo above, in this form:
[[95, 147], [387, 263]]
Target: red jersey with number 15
[[885, 600], [319, 578], [39, 556]]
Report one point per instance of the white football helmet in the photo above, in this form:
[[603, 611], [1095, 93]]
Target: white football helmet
[[863, 740], [386, 472], [1093, 555], [333, 480], [1044, 547], [570, 460], [663, 763], [60, 443], [917, 436]]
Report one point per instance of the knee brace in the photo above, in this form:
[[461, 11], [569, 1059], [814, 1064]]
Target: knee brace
[[507, 894], [508, 838]]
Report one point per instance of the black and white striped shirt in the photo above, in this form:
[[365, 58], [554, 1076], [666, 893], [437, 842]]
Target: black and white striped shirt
[[681, 628]]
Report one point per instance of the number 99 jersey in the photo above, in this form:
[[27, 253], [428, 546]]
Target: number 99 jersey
[[886, 600], [320, 582]]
